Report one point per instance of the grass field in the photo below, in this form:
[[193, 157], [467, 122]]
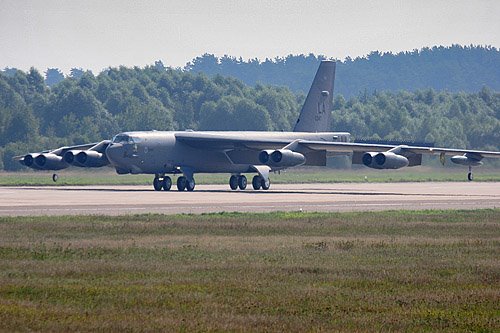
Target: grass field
[[297, 175], [390, 271]]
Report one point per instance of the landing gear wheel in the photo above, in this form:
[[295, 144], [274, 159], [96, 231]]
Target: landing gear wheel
[[166, 184], [266, 184], [157, 184], [469, 175], [181, 183], [190, 184], [233, 182], [55, 177], [256, 182], [242, 182]]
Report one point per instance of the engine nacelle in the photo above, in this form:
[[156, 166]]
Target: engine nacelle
[[466, 160], [281, 158], [48, 161], [384, 160], [29, 161], [91, 159], [264, 156], [70, 157]]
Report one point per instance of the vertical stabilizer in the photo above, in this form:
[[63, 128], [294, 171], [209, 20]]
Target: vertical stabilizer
[[316, 112]]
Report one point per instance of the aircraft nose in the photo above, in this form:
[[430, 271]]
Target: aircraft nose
[[114, 152]]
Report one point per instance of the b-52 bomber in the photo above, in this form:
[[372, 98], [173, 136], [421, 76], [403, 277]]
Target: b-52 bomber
[[186, 153]]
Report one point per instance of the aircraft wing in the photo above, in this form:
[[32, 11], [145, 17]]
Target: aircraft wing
[[347, 147], [225, 142], [92, 155], [60, 151], [222, 142]]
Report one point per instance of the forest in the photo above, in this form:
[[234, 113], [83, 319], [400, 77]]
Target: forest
[[455, 68], [84, 107]]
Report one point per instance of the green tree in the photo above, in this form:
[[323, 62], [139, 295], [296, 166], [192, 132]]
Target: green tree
[[53, 76]]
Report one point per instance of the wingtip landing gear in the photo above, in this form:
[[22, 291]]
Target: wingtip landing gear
[[55, 177], [470, 176]]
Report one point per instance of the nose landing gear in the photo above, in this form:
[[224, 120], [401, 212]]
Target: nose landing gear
[[162, 182]]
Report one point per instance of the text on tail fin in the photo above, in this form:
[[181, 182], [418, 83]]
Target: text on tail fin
[[316, 111]]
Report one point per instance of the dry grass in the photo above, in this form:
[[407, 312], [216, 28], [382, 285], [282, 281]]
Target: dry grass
[[392, 271]]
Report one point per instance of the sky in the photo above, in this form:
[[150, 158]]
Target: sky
[[97, 34]]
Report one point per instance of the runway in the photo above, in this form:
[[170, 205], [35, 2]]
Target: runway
[[118, 200]]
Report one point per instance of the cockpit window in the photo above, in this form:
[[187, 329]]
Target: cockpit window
[[126, 139], [121, 138], [134, 139]]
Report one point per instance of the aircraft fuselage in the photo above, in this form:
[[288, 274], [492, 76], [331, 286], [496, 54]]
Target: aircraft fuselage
[[157, 152]]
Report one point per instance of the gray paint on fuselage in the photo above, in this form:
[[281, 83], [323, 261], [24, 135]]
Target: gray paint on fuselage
[[158, 152]]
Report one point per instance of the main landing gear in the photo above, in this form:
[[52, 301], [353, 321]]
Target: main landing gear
[[184, 183], [240, 181], [165, 183], [162, 182], [470, 176]]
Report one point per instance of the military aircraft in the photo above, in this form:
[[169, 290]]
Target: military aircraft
[[186, 153]]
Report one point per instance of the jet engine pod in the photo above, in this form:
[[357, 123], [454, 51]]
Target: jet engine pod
[[50, 161], [281, 158], [70, 157], [91, 159], [368, 159], [264, 156], [384, 160], [466, 160], [29, 161]]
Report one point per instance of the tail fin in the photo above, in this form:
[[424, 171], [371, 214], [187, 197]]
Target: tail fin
[[316, 112]]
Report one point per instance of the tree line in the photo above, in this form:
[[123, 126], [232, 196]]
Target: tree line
[[455, 68], [87, 108]]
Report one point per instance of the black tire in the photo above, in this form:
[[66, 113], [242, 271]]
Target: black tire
[[470, 176], [55, 177], [265, 184], [190, 184], [157, 184], [181, 183], [166, 184], [256, 182], [242, 182], [233, 182]]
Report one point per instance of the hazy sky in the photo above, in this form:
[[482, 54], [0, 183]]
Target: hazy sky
[[102, 33]]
